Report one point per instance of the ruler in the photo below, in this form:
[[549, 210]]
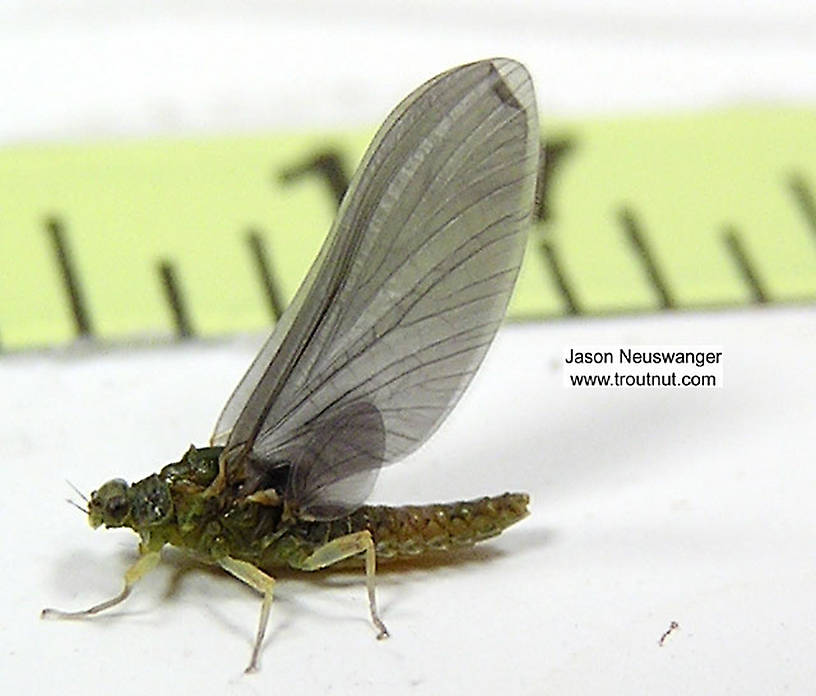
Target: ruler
[[151, 240]]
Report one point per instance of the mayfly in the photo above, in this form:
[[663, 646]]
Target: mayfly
[[386, 331]]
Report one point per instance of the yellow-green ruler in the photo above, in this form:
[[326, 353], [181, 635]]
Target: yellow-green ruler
[[142, 239]]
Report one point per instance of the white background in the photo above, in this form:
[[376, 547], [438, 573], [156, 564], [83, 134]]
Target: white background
[[648, 506]]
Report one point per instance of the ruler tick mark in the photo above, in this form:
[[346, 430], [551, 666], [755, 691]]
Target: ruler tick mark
[[638, 241], [328, 165], [172, 292], [70, 280], [552, 154], [747, 269], [268, 281], [804, 198], [551, 259]]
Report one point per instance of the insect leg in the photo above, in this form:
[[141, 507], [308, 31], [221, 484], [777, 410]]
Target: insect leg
[[139, 569], [344, 547], [257, 579]]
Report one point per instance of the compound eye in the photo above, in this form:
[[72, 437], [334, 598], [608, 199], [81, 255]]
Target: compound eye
[[110, 505]]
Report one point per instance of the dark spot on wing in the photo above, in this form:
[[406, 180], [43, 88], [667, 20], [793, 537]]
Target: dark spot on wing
[[504, 93]]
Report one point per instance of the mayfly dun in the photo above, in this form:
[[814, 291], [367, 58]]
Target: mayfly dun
[[386, 331]]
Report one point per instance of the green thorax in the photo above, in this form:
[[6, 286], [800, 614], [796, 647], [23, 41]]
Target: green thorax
[[212, 525]]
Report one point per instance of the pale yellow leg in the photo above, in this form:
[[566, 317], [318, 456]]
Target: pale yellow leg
[[344, 547], [257, 579], [142, 567]]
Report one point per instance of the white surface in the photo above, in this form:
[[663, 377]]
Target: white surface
[[89, 68], [649, 506]]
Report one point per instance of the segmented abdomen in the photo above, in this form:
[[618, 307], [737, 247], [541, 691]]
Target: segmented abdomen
[[411, 530], [406, 531]]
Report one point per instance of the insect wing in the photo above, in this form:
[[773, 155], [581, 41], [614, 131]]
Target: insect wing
[[339, 461], [408, 290]]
